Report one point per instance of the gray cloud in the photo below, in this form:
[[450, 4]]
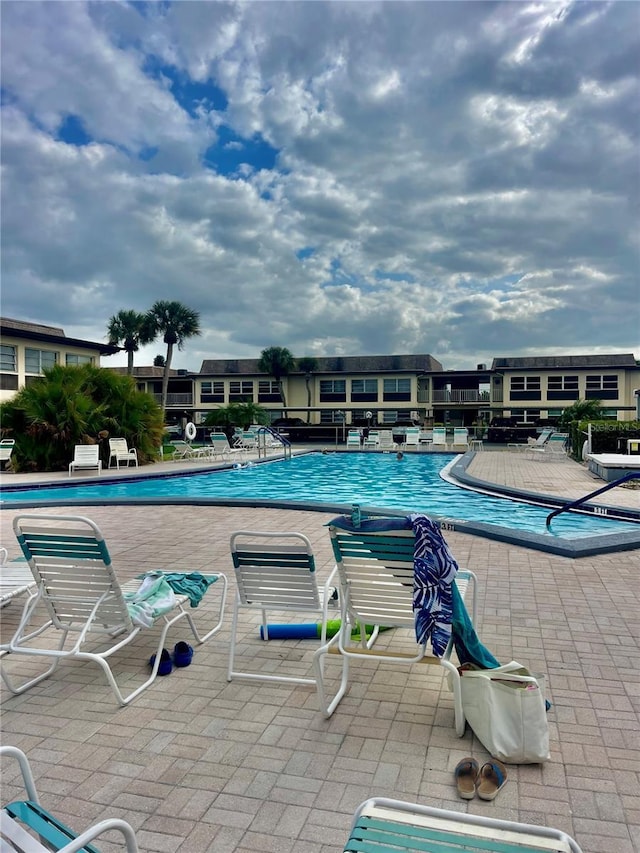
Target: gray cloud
[[453, 178]]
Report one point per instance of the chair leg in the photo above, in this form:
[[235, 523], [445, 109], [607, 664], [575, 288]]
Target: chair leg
[[328, 706]]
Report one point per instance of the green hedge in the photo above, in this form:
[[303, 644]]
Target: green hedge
[[604, 435]]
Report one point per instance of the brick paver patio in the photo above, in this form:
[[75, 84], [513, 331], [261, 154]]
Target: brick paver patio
[[199, 764]]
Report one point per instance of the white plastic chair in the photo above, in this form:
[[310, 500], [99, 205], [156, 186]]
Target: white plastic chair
[[381, 825], [50, 832], [80, 597], [119, 452], [15, 578], [354, 439], [85, 458], [375, 572], [6, 449], [372, 440], [276, 573], [385, 440], [439, 438], [412, 437], [460, 437]]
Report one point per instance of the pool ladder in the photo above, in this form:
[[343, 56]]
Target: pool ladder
[[634, 475]]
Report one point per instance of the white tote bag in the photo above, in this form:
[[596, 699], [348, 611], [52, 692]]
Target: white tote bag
[[506, 709]]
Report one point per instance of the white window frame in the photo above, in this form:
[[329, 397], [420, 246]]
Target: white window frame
[[8, 358], [31, 352]]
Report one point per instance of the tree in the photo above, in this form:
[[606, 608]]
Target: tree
[[158, 361], [133, 329], [236, 414], [74, 405], [581, 410], [176, 323], [308, 365], [277, 362]]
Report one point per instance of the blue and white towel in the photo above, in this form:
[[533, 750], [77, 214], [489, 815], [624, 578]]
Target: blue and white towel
[[434, 571]]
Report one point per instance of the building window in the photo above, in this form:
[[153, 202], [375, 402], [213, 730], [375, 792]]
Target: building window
[[268, 386], [7, 359], [397, 386], [331, 417], [364, 386], [525, 383], [35, 360], [602, 387], [389, 417], [526, 416], [562, 383], [73, 359], [333, 390], [241, 390], [525, 388], [333, 386], [212, 392]]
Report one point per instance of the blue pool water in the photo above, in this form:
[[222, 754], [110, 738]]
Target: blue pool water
[[377, 480]]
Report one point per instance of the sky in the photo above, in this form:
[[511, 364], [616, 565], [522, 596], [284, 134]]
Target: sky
[[338, 178]]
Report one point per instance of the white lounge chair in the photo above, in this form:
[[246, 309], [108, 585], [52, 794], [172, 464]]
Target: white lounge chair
[[554, 449], [375, 573], [354, 439], [385, 440], [222, 449], [21, 817], [412, 437], [372, 439], [460, 438], [86, 457], [15, 578], [381, 825], [531, 442], [439, 438], [80, 598], [6, 449], [120, 452], [276, 573]]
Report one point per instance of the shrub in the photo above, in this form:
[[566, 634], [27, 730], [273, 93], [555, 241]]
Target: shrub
[[74, 405]]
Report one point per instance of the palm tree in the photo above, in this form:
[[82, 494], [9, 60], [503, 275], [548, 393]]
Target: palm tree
[[581, 410], [308, 366], [175, 322], [277, 362], [133, 329]]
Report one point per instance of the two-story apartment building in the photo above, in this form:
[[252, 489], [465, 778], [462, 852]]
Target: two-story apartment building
[[26, 349], [386, 389]]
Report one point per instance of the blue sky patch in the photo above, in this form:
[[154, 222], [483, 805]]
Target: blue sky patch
[[72, 132], [232, 150]]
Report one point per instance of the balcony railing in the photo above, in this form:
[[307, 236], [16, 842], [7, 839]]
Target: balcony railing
[[175, 399], [461, 395]]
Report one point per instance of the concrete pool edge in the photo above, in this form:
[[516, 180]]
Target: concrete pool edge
[[583, 547]]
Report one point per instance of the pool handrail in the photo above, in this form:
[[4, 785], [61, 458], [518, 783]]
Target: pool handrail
[[634, 475]]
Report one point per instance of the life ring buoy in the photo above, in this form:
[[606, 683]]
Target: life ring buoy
[[190, 431]]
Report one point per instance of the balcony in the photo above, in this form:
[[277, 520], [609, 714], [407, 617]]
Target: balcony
[[175, 399], [461, 395]]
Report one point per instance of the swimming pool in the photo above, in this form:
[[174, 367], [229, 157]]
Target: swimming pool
[[335, 481]]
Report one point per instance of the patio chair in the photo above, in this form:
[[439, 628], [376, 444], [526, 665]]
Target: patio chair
[[460, 437], [372, 439], [382, 825], [439, 438], [412, 437], [375, 565], [15, 578], [80, 598], [554, 449], [276, 573], [385, 440], [119, 452], [221, 447], [6, 449], [182, 451], [86, 457], [531, 442], [354, 439], [20, 816]]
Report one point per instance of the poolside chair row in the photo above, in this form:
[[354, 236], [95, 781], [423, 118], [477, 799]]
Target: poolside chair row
[[379, 825], [78, 596]]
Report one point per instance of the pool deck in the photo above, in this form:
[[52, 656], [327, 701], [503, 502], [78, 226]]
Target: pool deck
[[200, 764]]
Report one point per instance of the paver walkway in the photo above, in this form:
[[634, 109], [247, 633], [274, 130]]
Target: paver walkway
[[199, 764]]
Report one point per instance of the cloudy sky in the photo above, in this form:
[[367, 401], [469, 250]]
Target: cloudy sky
[[339, 178]]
